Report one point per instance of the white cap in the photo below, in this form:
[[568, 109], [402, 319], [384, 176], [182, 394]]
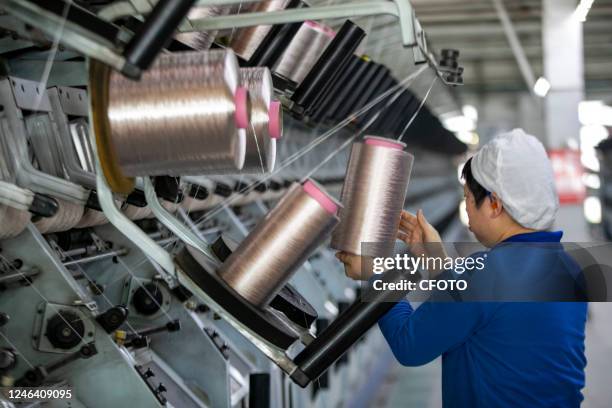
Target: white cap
[[516, 167]]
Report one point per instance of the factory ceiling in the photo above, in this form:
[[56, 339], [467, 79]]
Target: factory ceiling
[[473, 27]]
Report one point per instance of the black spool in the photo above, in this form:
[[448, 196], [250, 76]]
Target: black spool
[[223, 190], [323, 380], [137, 198], [291, 303], [92, 201], [168, 188], [198, 192], [259, 390], [43, 206], [275, 42], [342, 307], [397, 116], [156, 32], [346, 93], [366, 87], [374, 88], [333, 99], [345, 330], [380, 108], [326, 70], [221, 249], [267, 57]]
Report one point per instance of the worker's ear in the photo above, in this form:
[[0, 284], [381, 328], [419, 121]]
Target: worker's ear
[[496, 205]]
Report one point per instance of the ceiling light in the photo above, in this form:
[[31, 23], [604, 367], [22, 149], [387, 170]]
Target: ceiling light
[[592, 210], [470, 112], [594, 113], [541, 87], [582, 10]]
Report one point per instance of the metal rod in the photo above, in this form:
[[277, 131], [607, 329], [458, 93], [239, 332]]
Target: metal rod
[[515, 45], [152, 37], [98, 257], [73, 36]]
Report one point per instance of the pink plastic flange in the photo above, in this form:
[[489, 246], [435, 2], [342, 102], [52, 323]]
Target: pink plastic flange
[[275, 127], [321, 28], [240, 101], [322, 198], [391, 144]]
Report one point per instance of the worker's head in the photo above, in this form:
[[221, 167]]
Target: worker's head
[[509, 188]]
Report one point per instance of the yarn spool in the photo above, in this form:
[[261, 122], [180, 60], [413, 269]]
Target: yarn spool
[[373, 196], [266, 121], [303, 51], [201, 40], [67, 217], [92, 218], [12, 221], [280, 243], [187, 115], [135, 213], [246, 41]]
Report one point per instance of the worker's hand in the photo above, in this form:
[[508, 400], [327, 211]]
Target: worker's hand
[[352, 265], [419, 235], [415, 229]]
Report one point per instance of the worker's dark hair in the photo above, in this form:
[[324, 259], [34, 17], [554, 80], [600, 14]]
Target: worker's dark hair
[[479, 191]]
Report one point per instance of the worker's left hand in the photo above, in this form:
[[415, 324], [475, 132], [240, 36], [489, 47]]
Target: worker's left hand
[[352, 265]]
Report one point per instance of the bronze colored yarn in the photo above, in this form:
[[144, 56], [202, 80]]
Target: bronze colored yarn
[[245, 41], [12, 221], [92, 218], [179, 118], [136, 213], [260, 147], [373, 196], [67, 217], [303, 51], [277, 246], [201, 40]]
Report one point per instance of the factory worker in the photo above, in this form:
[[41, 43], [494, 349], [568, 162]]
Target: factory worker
[[498, 354]]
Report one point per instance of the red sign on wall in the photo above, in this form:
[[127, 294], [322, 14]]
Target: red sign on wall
[[568, 175]]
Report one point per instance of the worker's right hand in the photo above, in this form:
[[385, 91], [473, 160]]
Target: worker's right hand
[[419, 235], [415, 229]]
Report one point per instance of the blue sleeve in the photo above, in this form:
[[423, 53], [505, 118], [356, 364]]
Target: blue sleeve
[[418, 337]]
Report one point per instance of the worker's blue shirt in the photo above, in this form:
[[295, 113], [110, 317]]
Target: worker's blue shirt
[[498, 354]]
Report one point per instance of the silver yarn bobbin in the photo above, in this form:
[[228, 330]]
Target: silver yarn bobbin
[[245, 41], [180, 118], [260, 145], [373, 196], [303, 51], [201, 40], [12, 221], [279, 244]]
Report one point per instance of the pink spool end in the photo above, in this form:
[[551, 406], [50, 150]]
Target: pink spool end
[[322, 198], [275, 127], [242, 113], [388, 143], [321, 28]]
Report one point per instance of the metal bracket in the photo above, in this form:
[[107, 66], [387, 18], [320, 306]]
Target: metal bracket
[[14, 132], [47, 310], [15, 197], [74, 36], [173, 224]]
